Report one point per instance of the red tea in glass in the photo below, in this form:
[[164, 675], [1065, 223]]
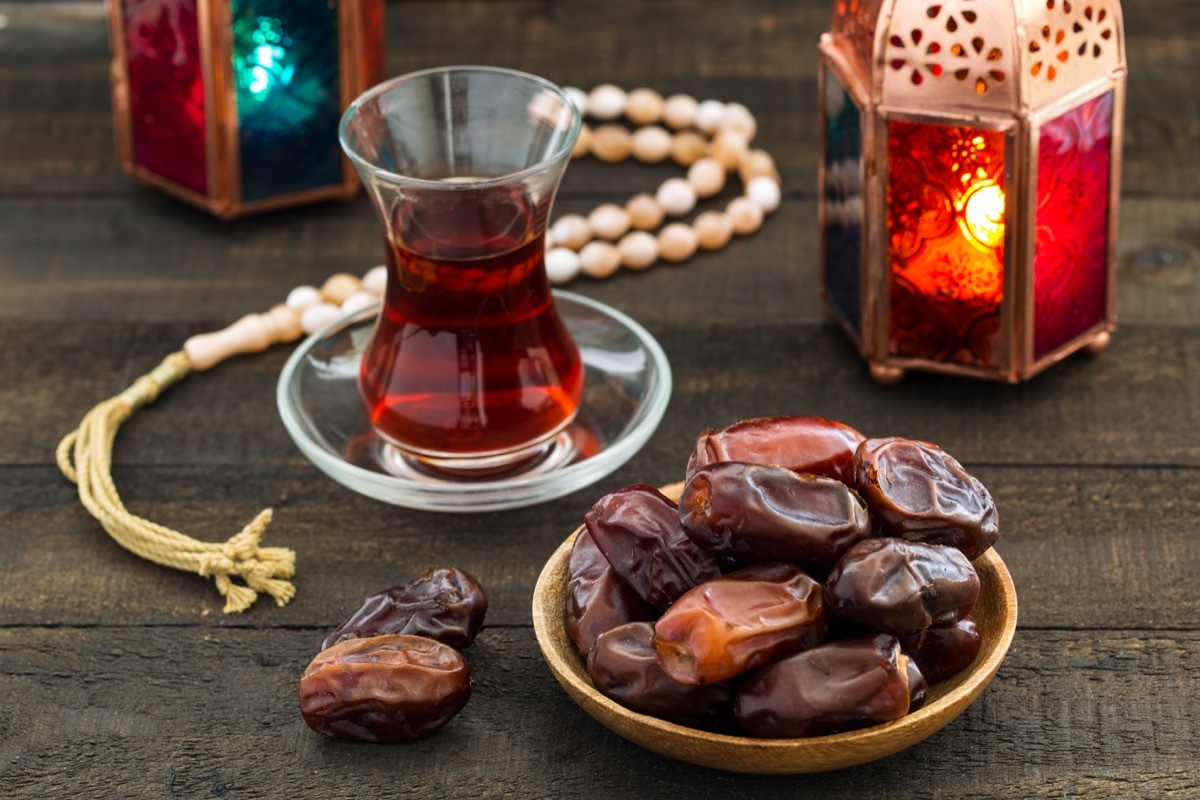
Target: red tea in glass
[[469, 369], [469, 357]]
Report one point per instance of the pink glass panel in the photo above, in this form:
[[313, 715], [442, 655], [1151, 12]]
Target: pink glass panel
[[1071, 264], [946, 218], [166, 90]]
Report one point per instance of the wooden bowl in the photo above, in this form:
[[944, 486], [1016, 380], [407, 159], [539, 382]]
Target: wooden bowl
[[995, 614]]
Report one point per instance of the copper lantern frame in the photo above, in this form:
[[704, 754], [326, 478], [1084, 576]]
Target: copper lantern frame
[[360, 65], [1010, 66]]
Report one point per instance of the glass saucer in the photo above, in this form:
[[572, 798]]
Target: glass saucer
[[626, 388]]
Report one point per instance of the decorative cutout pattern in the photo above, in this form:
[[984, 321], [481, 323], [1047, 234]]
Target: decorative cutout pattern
[[854, 21], [952, 44], [1078, 30]]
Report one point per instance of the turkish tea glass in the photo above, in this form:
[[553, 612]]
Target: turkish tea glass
[[470, 369]]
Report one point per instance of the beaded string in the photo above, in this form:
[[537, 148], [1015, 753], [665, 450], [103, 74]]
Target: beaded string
[[85, 454], [710, 139]]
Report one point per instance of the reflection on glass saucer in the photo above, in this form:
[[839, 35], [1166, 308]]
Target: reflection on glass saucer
[[627, 386]]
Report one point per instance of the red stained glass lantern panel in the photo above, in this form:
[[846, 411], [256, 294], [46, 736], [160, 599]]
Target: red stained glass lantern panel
[[945, 227], [1070, 269], [166, 90]]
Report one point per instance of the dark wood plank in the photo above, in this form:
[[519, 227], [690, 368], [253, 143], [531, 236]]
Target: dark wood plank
[[1089, 548], [153, 259], [1136, 404], [113, 710]]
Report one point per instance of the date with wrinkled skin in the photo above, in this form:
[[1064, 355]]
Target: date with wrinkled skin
[[444, 603], [945, 651], [754, 512], [802, 444], [389, 688], [638, 530], [623, 667], [918, 686], [919, 492], [597, 598], [737, 622], [836, 687], [900, 587]]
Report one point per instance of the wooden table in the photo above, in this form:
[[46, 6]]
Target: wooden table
[[122, 679]]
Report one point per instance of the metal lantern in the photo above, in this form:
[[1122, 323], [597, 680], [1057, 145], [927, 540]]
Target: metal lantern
[[969, 181], [233, 105]]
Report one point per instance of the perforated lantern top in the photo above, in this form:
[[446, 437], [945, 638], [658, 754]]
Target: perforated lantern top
[[977, 55]]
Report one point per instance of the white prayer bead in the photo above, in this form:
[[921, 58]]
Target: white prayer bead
[[677, 242], [746, 216], [709, 115], [611, 143], [644, 211], [571, 230], [340, 286], [764, 193], [583, 144], [651, 144], [714, 229], [607, 102], [728, 147], [688, 147], [314, 318], [755, 164], [562, 265], [578, 97], [303, 297], [608, 221], [738, 118], [644, 106], [358, 301], [676, 196], [679, 111], [638, 250], [599, 259], [375, 280], [707, 177]]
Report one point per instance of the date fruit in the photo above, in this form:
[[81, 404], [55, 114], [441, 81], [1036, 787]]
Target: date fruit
[[753, 512], [802, 444], [734, 623], [638, 530], [902, 587], [920, 493], [623, 667], [944, 651], [918, 685], [389, 688], [597, 598], [836, 687], [444, 603]]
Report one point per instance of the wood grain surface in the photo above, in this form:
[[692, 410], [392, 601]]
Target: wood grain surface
[[122, 679]]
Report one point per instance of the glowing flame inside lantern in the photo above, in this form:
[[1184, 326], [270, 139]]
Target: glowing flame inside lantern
[[982, 214]]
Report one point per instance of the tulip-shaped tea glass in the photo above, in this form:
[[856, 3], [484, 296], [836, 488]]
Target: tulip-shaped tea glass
[[470, 370]]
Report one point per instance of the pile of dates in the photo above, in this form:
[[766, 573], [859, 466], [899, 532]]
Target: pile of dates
[[391, 672], [809, 581]]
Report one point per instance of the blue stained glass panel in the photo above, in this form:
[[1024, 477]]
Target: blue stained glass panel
[[843, 203], [286, 71]]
